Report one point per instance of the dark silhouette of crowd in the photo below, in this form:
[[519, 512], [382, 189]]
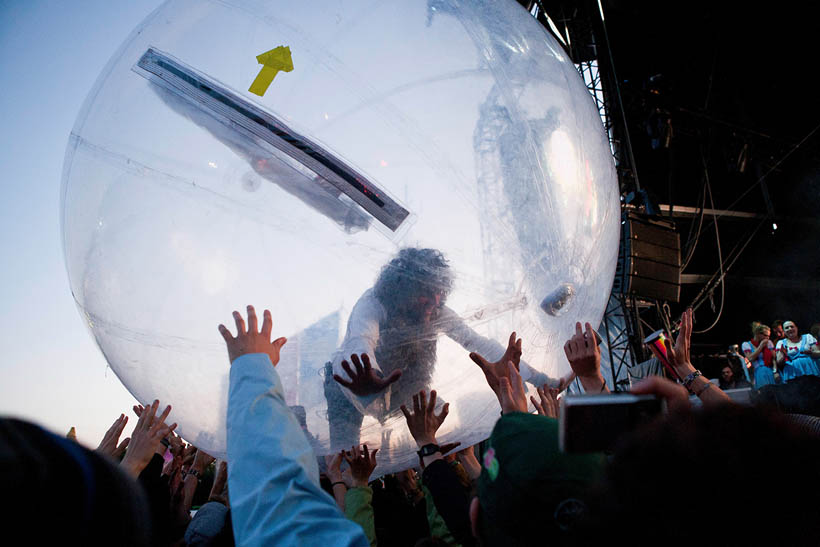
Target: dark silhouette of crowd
[[706, 473]]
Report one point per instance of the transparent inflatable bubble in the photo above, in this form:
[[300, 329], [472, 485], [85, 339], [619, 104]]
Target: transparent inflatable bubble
[[416, 179]]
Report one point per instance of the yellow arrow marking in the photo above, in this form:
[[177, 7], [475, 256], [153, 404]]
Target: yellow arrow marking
[[272, 62]]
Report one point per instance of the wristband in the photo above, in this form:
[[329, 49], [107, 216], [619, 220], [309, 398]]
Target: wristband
[[428, 450], [343, 483], [690, 378], [707, 386], [195, 473]]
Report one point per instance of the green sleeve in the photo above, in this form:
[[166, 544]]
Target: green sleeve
[[359, 509], [438, 528]]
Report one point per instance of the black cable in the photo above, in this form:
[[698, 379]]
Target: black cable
[[720, 252], [691, 244]]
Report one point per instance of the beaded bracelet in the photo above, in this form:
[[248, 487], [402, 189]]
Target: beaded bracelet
[[690, 378]]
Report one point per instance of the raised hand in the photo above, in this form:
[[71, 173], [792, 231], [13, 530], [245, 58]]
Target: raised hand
[[547, 402], [679, 355], [339, 486], [584, 358], [364, 380], [583, 353], [333, 463], [201, 461], [219, 489], [423, 422], [493, 372], [362, 463], [108, 445], [511, 391], [177, 446], [250, 340], [146, 438]]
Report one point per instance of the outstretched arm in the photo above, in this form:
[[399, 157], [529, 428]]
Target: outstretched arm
[[457, 329], [693, 380], [273, 476], [361, 379]]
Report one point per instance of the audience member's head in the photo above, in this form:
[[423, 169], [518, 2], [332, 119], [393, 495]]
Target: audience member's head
[[790, 328], [760, 331], [414, 284], [61, 493], [529, 492], [777, 330]]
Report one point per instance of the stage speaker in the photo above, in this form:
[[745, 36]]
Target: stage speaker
[[649, 258]]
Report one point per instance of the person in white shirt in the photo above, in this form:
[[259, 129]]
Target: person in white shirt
[[394, 327], [798, 351]]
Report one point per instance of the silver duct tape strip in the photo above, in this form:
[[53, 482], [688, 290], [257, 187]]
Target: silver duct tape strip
[[216, 99]]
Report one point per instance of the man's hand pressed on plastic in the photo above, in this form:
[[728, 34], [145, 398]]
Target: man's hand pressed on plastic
[[364, 380], [250, 340]]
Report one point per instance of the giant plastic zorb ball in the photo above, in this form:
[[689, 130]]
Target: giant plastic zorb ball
[[282, 154]]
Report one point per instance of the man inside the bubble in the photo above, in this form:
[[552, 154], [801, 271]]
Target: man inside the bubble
[[395, 326]]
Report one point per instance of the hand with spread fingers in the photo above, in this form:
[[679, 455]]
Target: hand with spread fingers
[[423, 422], [511, 391], [109, 444], [679, 358], [547, 402], [362, 463], [584, 356], [364, 380], [493, 372], [146, 438], [251, 340], [138, 410]]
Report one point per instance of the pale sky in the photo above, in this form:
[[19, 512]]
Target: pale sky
[[51, 371]]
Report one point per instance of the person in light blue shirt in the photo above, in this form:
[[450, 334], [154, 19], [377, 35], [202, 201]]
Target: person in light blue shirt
[[273, 477]]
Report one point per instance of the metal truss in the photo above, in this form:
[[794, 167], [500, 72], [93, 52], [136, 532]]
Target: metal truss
[[621, 331]]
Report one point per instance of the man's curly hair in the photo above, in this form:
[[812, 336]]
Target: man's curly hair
[[413, 272]]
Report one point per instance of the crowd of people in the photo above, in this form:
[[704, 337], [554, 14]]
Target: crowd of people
[[773, 355], [664, 481]]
